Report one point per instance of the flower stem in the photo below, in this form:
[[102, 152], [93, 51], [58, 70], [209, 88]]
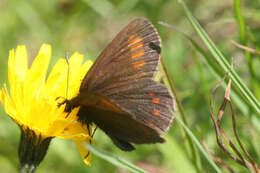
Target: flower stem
[[32, 149], [26, 168]]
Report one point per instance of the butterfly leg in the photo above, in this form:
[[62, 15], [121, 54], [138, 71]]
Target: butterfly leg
[[92, 135], [62, 103]]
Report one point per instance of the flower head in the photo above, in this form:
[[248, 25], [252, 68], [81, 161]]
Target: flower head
[[32, 103]]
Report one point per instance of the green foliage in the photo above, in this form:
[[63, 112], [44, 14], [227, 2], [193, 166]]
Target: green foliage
[[117, 161], [87, 26]]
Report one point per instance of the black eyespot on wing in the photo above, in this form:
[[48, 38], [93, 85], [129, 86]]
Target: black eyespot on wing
[[155, 47]]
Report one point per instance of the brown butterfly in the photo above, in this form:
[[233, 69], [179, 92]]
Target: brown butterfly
[[118, 93]]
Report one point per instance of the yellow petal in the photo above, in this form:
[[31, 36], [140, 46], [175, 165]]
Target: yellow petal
[[11, 69], [75, 62], [84, 69], [58, 127], [7, 103], [13, 74], [17, 70], [75, 130], [83, 151], [37, 73], [62, 127], [55, 85], [78, 77], [21, 62]]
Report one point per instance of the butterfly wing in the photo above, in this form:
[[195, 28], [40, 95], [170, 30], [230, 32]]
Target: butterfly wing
[[133, 54], [123, 74], [120, 127], [147, 101]]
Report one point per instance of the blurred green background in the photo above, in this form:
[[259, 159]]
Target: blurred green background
[[87, 26]]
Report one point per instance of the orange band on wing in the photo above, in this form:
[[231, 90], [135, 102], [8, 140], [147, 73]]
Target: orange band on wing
[[137, 46], [151, 94], [134, 41], [156, 100], [131, 36], [156, 112], [139, 64], [137, 54]]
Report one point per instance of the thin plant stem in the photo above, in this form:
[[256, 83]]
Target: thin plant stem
[[195, 156], [251, 164], [249, 49], [217, 159]]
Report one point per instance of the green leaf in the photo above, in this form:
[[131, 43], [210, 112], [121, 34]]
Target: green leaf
[[173, 151], [241, 104], [117, 161], [222, 62], [197, 143]]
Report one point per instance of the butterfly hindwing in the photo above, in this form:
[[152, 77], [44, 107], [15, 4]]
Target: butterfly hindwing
[[120, 127], [123, 145], [147, 101]]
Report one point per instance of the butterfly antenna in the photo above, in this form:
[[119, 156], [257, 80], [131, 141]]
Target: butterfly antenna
[[68, 73]]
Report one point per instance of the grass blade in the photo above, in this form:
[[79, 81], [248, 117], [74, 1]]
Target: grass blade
[[244, 41], [115, 160], [195, 157], [222, 62], [197, 143]]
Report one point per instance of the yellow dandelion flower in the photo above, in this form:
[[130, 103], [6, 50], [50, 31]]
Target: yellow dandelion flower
[[31, 102]]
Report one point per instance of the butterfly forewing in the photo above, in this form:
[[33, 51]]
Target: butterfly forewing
[[130, 56]]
